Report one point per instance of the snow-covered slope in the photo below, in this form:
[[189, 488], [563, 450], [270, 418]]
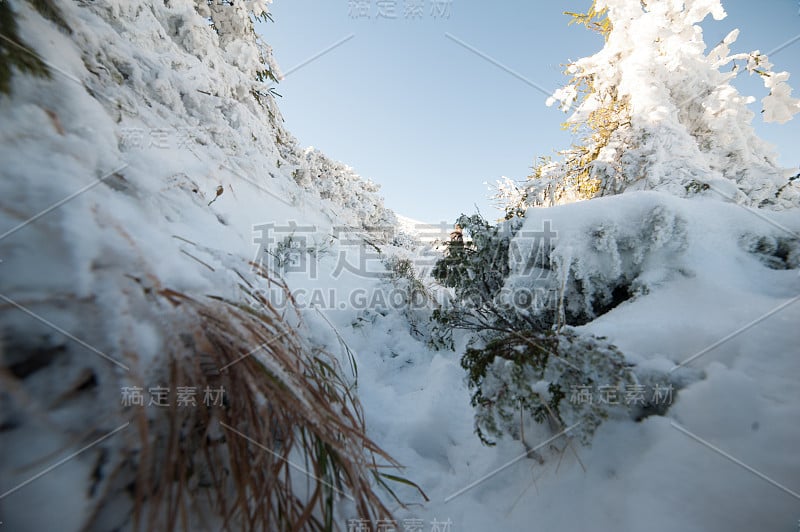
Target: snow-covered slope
[[145, 166]]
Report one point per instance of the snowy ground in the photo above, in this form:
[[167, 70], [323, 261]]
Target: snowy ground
[[638, 476], [145, 212]]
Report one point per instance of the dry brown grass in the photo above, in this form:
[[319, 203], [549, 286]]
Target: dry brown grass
[[240, 466]]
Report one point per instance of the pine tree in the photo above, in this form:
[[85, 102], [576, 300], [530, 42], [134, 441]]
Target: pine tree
[[14, 52], [656, 111], [233, 22]]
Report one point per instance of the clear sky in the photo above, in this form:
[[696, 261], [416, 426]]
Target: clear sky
[[430, 120]]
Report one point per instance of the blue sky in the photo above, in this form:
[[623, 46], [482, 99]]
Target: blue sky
[[431, 121]]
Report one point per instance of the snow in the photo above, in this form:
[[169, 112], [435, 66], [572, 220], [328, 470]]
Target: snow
[[156, 69], [638, 476]]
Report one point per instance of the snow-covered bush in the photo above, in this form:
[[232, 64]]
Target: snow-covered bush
[[405, 240], [289, 251], [14, 52], [401, 297], [533, 275], [232, 22], [476, 270], [341, 185], [519, 366], [520, 286], [511, 196], [593, 267], [532, 375], [656, 111], [409, 295], [776, 251]]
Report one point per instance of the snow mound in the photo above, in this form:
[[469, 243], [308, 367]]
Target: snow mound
[[701, 307]]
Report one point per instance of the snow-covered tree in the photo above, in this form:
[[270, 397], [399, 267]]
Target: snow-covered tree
[[521, 367], [232, 22], [657, 110], [14, 52], [339, 183]]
